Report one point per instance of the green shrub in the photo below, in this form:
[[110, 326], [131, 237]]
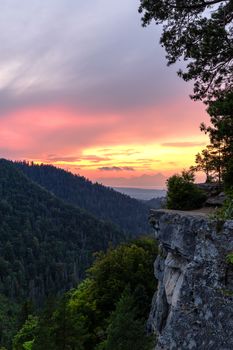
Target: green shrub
[[226, 211], [229, 258], [182, 193]]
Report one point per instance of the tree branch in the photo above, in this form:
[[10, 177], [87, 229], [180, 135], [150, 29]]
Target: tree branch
[[197, 6]]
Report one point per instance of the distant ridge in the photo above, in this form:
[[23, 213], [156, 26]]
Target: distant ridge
[[141, 193], [105, 203], [148, 180]]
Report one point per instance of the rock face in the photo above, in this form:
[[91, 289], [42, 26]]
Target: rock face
[[193, 307], [216, 201]]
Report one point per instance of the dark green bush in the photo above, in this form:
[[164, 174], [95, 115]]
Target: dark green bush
[[182, 193]]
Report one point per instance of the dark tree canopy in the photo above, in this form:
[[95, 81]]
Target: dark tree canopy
[[221, 137], [45, 244], [182, 194], [201, 33]]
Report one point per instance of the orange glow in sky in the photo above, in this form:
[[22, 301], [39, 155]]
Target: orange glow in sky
[[91, 96], [103, 147]]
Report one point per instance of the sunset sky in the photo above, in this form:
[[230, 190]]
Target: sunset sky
[[85, 87]]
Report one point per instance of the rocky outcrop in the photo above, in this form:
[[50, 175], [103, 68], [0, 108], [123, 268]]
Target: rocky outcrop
[[193, 307], [210, 189], [215, 196], [216, 201]]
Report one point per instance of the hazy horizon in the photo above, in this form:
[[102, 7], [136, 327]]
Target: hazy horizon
[[141, 193]]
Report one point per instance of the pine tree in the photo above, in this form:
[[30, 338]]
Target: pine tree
[[126, 331]]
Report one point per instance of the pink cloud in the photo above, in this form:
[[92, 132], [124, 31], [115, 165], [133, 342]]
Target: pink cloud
[[39, 131], [35, 133]]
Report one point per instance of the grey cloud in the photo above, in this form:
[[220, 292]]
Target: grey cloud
[[76, 53], [112, 168], [128, 168], [116, 168]]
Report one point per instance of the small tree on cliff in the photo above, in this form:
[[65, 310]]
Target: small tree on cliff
[[211, 162], [182, 193], [221, 136], [204, 163]]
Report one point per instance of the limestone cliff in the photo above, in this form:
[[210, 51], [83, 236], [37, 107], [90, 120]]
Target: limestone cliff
[[193, 307]]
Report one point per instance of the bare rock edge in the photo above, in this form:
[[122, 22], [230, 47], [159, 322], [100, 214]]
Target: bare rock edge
[[193, 306]]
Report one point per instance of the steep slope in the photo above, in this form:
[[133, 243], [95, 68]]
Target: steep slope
[[103, 202], [193, 306], [45, 244], [155, 203]]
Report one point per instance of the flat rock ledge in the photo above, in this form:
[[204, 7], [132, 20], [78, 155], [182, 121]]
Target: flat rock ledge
[[193, 306]]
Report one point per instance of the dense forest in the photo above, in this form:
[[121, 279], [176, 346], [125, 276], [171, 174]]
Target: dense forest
[[46, 245], [127, 213], [108, 310]]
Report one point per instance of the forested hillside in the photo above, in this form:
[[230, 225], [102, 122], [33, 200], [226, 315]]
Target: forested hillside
[[108, 310], [45, 244], [103, 202]]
